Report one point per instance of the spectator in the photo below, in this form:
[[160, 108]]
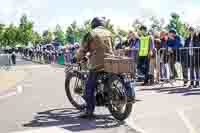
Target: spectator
[[13, 57], [118, 43], [153, 65], [190, 58], [173, 44], [133, 44], [164, 69], [146, 44]]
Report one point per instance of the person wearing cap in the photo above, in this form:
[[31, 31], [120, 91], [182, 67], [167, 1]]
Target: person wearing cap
[[173, 44], [190, 58], [132, 44], [163, 55], [118, 43], [146, 45]]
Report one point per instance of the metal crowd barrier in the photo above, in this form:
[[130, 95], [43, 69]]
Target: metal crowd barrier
[[179, 64], [166, 64], [44, 58], [5, 61]]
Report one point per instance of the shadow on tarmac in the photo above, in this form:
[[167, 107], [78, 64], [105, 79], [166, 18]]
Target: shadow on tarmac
[[67, 118], [185, 91]]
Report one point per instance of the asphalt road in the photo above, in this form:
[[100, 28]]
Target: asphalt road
[[43, 103]]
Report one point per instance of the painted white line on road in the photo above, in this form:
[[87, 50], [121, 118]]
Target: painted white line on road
[[8, 95], [186, 121], [18, 90], [138, 129], [46, 130], [130, 122]]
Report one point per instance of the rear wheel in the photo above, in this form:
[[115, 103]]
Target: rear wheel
[[119, 106], [74, 88]]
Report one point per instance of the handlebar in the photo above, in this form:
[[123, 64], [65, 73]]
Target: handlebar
[[73, 65]]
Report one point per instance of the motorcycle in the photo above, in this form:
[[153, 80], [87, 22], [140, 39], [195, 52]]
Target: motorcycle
[[111, 90]]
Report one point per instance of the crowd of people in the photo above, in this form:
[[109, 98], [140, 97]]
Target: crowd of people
[[48, 54], [142, 46], [160, 52]]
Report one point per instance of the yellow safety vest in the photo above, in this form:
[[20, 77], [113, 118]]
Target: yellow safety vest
[[144, 46]]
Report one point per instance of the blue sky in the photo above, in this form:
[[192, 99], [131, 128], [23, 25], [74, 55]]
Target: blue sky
[[47, 13]]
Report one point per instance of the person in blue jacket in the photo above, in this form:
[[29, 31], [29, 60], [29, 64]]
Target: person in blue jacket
[[174, 40], [173, 44]]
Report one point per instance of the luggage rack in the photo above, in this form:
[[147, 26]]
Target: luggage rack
[[120, 65]]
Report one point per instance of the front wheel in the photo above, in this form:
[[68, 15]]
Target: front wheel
[[119, 106], [74, 88]]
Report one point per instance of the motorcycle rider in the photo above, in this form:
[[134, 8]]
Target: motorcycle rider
[[98, 43]]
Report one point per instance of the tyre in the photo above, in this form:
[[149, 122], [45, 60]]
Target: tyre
[[78, 89], [118, 99]]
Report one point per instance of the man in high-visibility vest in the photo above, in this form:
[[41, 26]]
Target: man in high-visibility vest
[[146, 44]]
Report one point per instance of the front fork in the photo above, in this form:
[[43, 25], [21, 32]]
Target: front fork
[[129, 86]]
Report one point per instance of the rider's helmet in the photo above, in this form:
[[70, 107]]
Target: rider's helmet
[[98, 21]]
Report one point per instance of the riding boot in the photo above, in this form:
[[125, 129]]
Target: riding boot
[[87, 115]]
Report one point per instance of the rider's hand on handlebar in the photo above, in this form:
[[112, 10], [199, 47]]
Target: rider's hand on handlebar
[[84, 59]]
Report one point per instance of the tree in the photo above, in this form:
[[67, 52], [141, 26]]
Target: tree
[[87, 26], [137, 24], [178, 25], [109, 26], [10, 36], [25, 30], [156, 24], [122, 32], [36, 38], [70, 37], [47, 37], [2, 29], [73, 33], [59, 35]]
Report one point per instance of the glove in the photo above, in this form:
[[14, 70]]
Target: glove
[[74, 60], [84, 59]]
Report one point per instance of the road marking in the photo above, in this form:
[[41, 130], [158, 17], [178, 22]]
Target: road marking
[[186, 121], [19, 89], [130, 122], [8, 95]]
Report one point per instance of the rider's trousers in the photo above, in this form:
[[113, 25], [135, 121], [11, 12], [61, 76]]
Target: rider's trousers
[[89, 95]]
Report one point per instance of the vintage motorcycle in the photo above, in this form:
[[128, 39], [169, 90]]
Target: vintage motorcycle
[[111, 90]]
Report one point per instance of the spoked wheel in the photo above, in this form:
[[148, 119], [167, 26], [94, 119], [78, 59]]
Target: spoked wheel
[[74, 88], [119, 106]]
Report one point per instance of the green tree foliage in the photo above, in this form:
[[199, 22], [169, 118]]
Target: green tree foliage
[[137, 24], [73, 33], [47, 37], [122, 32], [25, 30], [178, 25], [70, 36], [10, 36], [156, 24], [23, 33], [87, 26], [2, 28], [36, 38], [59, 35], [109, 26]]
